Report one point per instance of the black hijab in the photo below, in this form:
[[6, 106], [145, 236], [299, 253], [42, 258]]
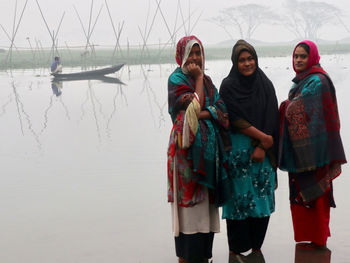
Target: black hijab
[[251, 99]]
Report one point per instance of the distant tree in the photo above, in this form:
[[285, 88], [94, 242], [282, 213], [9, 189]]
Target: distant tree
[[306, 18], [244, 19]]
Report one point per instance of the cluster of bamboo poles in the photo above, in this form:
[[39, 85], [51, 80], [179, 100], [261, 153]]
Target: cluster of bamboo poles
[[88, 51]]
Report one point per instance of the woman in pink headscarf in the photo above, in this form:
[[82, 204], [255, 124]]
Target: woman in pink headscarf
[[311, 149], [196, 169]]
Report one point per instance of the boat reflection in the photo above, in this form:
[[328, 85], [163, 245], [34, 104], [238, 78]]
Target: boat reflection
[[57, 82], [306, 253], [105, 79]]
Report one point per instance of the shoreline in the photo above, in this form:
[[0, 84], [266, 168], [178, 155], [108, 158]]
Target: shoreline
[[35, 59]]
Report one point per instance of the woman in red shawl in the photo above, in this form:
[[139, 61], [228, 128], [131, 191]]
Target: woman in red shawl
[[311, 149], [196, 172]]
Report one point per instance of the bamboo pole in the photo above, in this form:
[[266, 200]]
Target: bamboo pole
[[8, 36], [178, 29], [117, 35], [31, 49], [15, 30], [52, 35], [182, 17], [89, 32], [166, 24]]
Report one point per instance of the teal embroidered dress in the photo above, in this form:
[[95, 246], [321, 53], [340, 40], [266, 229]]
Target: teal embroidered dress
[[253, 183], [250, 101]]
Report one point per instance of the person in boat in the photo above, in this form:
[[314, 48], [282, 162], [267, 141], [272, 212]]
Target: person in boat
[[194, 153], [311, 149], [56, 66], [252, 107]]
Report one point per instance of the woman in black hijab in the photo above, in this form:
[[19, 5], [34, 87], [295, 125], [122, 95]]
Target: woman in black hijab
[[253, 113]]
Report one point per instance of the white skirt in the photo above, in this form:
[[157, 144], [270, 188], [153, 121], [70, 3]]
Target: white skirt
[[201, 218]]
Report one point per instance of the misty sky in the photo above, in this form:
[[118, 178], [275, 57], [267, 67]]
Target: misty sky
[[134, 14]]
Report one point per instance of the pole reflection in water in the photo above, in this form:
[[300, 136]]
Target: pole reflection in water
[[123, 99], [97, 106], [151, 96], [56, 87], [17, 105], [4, 106], [306, 253], [20, 111], [93, 104]]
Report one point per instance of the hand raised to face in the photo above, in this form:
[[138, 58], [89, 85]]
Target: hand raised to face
[[194, 70]]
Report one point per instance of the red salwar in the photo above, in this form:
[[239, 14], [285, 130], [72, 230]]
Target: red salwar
[[312, 224]]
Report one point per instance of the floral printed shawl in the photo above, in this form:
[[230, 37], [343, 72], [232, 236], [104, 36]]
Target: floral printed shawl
[[310, 131], [196, 151]]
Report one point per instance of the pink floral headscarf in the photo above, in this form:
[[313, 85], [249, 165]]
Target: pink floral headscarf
[[314, 57], [183, 49]]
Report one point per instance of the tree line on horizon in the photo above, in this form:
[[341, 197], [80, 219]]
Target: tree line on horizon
[[302, 18]]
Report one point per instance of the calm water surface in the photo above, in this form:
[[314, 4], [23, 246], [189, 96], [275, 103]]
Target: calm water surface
[[84, 169]]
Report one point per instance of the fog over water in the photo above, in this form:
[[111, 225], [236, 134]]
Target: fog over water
[[84, 162], [84, 169], [143, 18]]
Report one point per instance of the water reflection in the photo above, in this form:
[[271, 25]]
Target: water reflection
[[119, 93], [306, 253], [153, 99], [56, 87], [97, 106], [22, 114], [90, 98], [4, 106], [253, 257], [76, 182], [94, 100], [18, 104], [105, 79]]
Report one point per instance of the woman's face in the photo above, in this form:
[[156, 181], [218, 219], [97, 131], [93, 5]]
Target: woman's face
[[195, 56], [300, 59], [246, 64]]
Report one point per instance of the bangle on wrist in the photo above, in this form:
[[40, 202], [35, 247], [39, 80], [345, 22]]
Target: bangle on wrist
[[261, 146]]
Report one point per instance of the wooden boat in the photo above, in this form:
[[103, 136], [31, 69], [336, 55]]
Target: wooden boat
[[88, 74]]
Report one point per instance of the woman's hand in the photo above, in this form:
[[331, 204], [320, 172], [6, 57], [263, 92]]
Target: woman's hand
[[266, 141], [204, 115], [197, 74], [187, 97], [258, 155], [195, 71]]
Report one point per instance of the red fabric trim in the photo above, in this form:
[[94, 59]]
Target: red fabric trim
[[317, 69], [313, 70]]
